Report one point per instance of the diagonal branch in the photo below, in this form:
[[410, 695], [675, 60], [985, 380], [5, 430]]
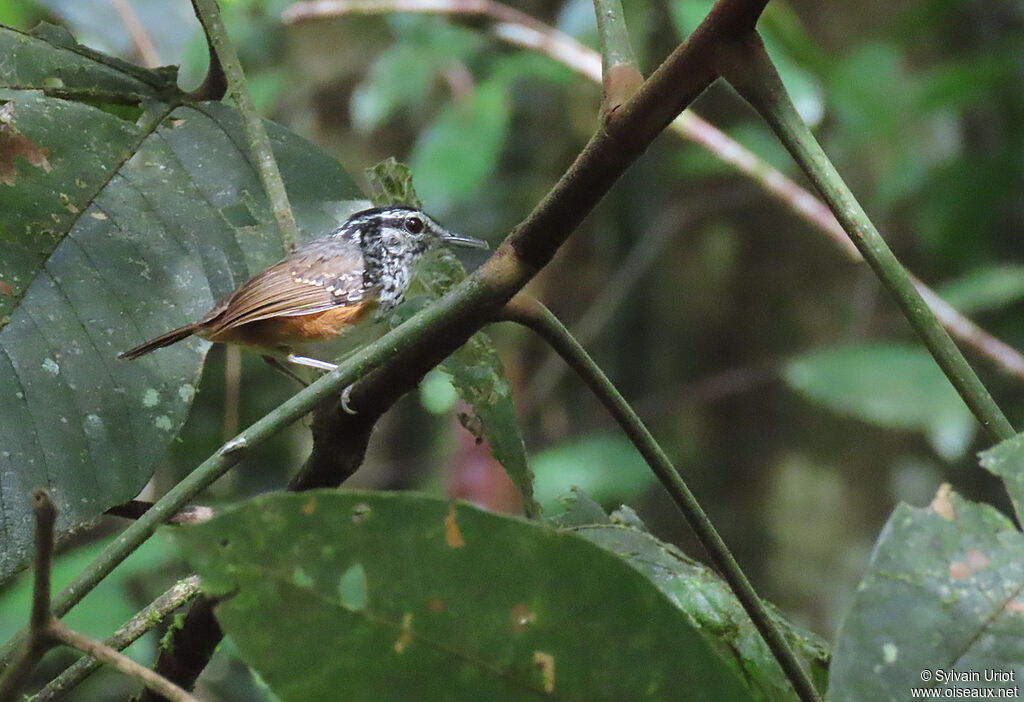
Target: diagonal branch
[[748, 68], [514, 27]]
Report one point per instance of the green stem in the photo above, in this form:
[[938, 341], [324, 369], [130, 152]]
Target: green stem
[[746, 65], [208, 13], [532, 314], [179, 594], [620, 76]]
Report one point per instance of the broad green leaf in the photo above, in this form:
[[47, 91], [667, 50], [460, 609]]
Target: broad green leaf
[[352, 595], [457, 153], [475, 370], [889, 385], [1006, 459], [606, 467], [942, 593], [138, 226], [704, 598]]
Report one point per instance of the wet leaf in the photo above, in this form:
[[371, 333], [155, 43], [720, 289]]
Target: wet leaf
[[138, 227], [942, 593], [399, 609]]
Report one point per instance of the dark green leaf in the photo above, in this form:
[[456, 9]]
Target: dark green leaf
[[942, 592], [889, 385], [702, 595], [391, 184], [409, 597], [1006, 459], [711, 607], [136, 228]]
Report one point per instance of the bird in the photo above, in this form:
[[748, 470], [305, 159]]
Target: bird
[[321, 289]]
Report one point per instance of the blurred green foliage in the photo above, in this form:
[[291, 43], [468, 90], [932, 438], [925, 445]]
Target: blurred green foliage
[[920, 104]]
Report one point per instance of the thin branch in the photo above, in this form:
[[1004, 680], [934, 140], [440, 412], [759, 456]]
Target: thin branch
[[143, 44], [45, 631], [620, 76], [208, 13], [39, 640], [530, 313], [747, 66], [178, 595], [511, 26], [119, 662]]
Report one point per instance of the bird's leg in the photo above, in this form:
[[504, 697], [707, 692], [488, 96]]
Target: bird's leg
[[276, 364], [311, 362], [323, 365]]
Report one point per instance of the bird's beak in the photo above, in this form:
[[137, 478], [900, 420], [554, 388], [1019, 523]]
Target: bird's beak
[[467, 241]]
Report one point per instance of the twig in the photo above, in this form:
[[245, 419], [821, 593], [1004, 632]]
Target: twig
[[45, 631], [530, 313], [179, 594], [119, 661], [511, 26], [620, 77], [39, 640], [208, 13], [143, 44], [746, 65]]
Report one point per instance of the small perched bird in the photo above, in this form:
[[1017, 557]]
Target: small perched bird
[[322, 288]]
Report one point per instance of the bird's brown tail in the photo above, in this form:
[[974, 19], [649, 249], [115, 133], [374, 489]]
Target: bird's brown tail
[[171, 337]]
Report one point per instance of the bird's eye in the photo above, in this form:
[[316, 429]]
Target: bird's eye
[[413, 224]]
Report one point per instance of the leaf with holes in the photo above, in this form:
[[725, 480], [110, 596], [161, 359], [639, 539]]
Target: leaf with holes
[[142, 219], [411, 597], [941, 599]]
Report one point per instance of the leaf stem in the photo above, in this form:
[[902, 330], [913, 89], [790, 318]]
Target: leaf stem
[[747, 66], [209, 16], [529, 312]]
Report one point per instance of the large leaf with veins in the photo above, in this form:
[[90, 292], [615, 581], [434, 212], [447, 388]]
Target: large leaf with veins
[[126, 212]]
